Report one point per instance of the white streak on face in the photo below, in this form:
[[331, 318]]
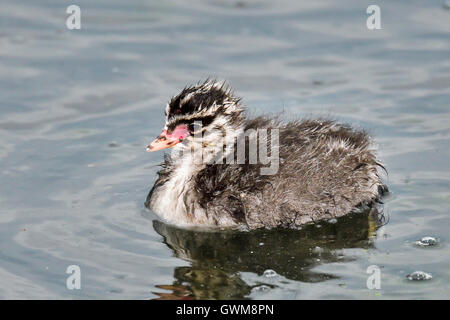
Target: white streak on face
[[167, 112]]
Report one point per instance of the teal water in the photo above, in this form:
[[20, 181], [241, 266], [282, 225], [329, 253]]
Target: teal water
[[78, 108]]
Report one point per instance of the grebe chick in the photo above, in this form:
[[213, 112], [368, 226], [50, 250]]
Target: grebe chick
[[323, 169]]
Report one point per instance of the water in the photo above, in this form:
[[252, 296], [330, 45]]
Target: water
[[78, 108]]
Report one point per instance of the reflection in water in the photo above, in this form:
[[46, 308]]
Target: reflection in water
[[218, 257]]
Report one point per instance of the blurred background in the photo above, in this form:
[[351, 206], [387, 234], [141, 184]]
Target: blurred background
[[78, 108]]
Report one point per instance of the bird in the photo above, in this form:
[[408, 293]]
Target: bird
[[308, 170]]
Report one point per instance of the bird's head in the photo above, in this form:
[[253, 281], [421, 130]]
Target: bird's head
[[206, 111]]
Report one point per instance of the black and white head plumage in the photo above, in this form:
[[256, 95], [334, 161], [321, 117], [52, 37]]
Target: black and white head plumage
[[212, 103]]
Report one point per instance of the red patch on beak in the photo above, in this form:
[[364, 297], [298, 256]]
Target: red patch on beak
[[168, 139]]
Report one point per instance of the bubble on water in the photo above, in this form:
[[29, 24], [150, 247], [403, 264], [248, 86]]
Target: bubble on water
[[261, 243], [269, 273], [419, 276], [427, 242]]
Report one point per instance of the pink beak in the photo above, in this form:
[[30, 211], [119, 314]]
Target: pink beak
[[168, 139]]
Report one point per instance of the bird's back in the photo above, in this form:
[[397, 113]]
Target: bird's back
[[325, 170]]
